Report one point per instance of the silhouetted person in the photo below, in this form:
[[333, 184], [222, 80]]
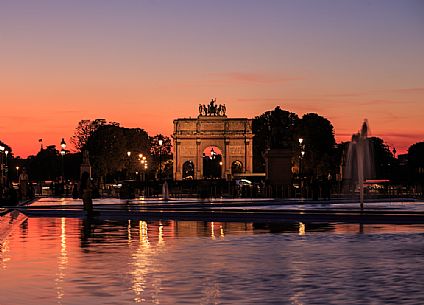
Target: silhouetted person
[[85, 190], [23, 184], [327, 187]]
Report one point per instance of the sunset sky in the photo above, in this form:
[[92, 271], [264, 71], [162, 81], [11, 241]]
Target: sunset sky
[[143, 63]]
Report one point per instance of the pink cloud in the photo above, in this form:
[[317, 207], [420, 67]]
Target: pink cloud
[[411, 90], [382, 102], [251, 77]]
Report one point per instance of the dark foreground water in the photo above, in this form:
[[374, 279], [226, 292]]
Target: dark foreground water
[[71, 261]]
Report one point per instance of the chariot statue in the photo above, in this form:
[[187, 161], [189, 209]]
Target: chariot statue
[[212, 109]]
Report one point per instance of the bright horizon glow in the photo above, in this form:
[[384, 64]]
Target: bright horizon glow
[[145, 63]]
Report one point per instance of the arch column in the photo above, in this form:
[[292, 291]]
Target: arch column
[[227, 163], [199, 163]]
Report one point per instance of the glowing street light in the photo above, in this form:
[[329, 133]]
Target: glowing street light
[[128, 164], [2, 148], [143, 163], [301, 156], [63, 152], [160, 159], [63, 143]]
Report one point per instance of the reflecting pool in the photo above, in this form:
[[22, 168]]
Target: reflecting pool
[[73, 261]]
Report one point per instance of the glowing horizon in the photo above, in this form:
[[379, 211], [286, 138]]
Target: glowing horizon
[[145, 63]]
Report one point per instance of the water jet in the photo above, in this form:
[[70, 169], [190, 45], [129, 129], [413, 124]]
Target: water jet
[[359, 163]]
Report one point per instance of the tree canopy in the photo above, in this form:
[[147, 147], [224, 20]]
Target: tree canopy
[[278, 129], [108, 146], [85, 129], [272, 129], [416, 162], [319, 144]]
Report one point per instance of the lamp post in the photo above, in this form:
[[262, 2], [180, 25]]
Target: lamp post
[[129, 164], [17, 173], [2, 148], [143, 163], [62, 153], [302, 153], [160, 159], [6, 152]]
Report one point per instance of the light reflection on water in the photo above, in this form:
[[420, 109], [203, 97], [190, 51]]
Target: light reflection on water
[[72, 261]]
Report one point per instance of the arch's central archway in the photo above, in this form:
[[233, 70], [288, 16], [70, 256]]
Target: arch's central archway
[[212, 162], [212, 128]]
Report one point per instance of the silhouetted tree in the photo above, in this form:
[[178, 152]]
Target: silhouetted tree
[[85, 129], [162, 155], [46, 165], [416, 164], [385, 163], [7, 160], [272, 129], [72, 163], [108, 146], [6, 147], [319, 145]]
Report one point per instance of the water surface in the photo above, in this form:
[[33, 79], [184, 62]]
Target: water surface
[[72, 261]]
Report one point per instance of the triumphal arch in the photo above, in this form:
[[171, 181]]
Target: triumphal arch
[[212, 128]]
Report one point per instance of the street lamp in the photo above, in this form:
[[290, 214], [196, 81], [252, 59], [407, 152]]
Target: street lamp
[[62, 153], [6, 152], [301, 155], [63, 143], [143, 163], [160, 159], [17, 173], [2, 148], [129, 164]]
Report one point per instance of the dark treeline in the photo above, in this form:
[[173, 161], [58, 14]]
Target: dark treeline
[[118, 153]]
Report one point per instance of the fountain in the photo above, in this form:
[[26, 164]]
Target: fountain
[[165, 191], [359, 163]]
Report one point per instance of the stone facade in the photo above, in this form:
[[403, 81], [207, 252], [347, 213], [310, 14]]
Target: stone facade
[[233, 136]]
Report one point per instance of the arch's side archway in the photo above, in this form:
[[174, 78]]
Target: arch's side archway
[[233, 136], [236, 167], [188, 170]]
